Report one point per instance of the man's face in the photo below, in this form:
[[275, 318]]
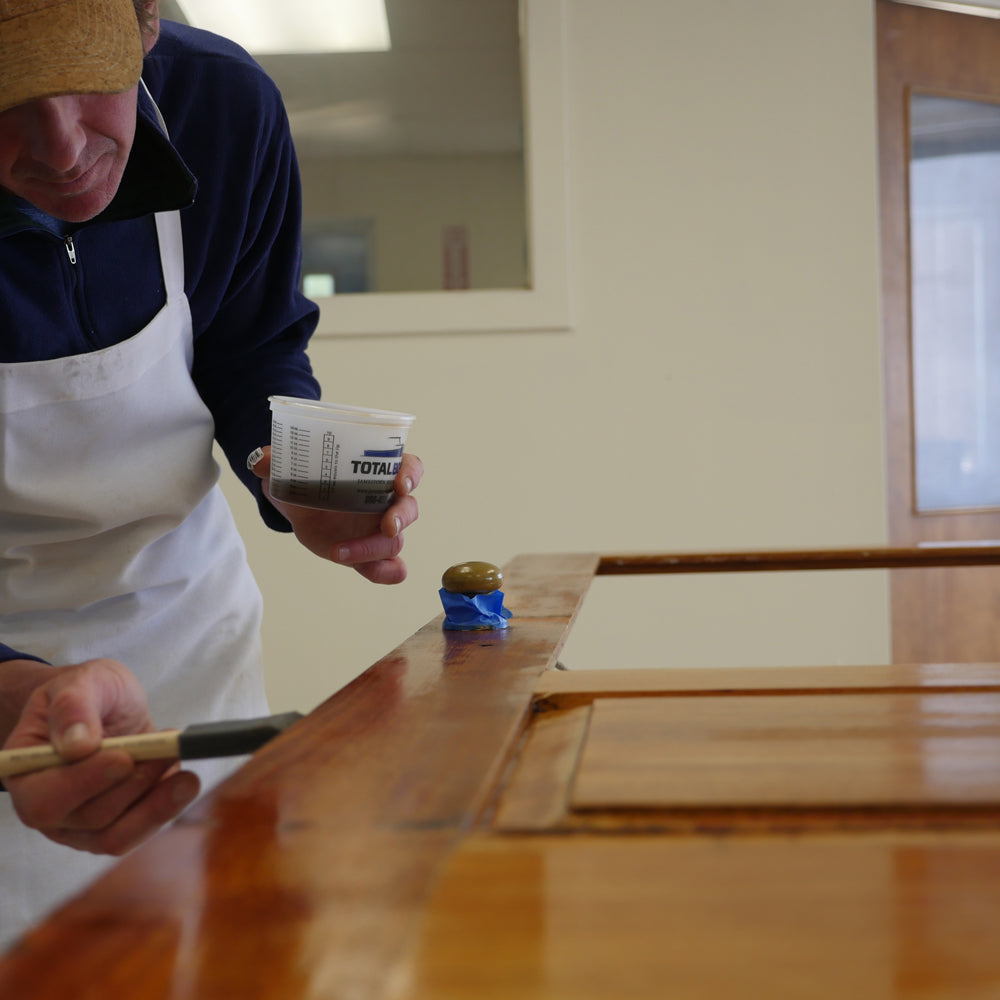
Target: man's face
[[66, 155]]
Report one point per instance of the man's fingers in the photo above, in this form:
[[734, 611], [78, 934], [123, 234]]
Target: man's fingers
[[45, 798], [87, 795], [259, 462], [373, 548], [105, 809], [386, 571], [411, 471], [162, 804], [370, 543], [399, 516], [81, 704]]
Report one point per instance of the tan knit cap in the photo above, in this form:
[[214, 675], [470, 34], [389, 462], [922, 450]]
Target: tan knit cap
[[52, 47]]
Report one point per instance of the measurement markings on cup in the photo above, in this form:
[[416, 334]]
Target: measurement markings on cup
[[328, 467], [298, 462]]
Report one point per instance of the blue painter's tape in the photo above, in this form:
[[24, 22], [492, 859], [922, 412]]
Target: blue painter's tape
[[478, 611]]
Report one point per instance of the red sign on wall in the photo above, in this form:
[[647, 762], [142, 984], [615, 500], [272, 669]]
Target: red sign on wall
[[455, 256]]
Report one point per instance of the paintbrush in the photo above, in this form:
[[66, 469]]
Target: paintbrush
[[205, 739]]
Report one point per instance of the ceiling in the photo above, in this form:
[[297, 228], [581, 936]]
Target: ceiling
[[450, 84]]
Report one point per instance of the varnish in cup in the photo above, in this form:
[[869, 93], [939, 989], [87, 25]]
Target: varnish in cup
[[335, 457]]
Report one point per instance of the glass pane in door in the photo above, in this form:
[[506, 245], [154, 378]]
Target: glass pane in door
[[955, 300]]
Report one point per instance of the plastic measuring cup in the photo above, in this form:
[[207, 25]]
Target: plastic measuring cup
[[335, 457]]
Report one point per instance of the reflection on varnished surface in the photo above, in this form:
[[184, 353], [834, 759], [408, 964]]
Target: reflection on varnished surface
[[648, 918], [465, 822], [303, 874], [576, 686], [791, 750]]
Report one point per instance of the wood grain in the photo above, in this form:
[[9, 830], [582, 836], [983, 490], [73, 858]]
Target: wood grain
[[305, 873], [343, 863], [536, 790], [791, 751], [714, 918], [566, 687], [974, 553]]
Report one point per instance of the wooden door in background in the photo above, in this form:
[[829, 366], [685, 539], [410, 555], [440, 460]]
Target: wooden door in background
[[939, 166]]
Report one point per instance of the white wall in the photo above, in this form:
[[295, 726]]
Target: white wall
[[720, 388]]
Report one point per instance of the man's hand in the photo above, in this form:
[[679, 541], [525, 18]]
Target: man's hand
[[102, 802], [371, 543]]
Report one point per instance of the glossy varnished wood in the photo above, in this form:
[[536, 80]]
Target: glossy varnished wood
[[571, 687], [778, 560], [536, 792], [900, 916], [415, 837], [791, 750], [544, 781], [303, 875]]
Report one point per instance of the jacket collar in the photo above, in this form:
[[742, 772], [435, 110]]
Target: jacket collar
[[156, 179]]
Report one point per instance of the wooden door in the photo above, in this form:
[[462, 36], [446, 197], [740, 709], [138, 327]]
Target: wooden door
[[463, 822], [820, 832], [939, 116]]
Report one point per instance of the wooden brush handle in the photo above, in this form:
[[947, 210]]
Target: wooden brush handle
[[140, 746]]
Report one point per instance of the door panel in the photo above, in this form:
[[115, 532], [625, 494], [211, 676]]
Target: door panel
[[939, 143]]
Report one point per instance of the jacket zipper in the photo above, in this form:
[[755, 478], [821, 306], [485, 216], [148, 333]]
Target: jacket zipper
[[84, 319]]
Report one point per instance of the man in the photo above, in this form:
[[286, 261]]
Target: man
[[149, 268]]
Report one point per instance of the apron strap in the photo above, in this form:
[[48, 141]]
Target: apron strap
[[168, 228], [168, 232]]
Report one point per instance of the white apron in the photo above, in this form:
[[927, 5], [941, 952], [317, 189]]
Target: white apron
[[115, 540]]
